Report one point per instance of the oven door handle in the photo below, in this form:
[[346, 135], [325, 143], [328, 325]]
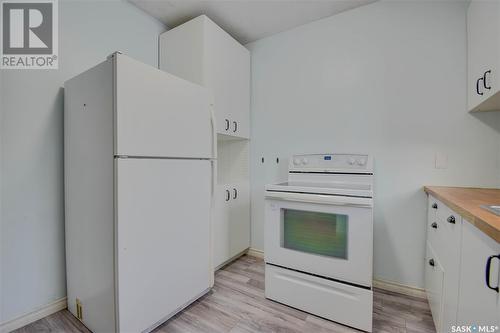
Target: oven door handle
[[321, 199]]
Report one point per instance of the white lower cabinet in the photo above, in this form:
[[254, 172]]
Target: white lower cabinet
[[478, 303], [220, 227], [231, 223], [239, 219], [455, 271], [444, 228]]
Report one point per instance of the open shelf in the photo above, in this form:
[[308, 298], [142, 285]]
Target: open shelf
[[232, 160]]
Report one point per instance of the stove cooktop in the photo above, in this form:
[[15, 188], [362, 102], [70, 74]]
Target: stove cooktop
[[346, 189]]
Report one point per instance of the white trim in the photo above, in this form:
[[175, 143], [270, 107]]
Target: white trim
[[33, 316], [400, 288], [380, 284], [230, 260], [255, 253]]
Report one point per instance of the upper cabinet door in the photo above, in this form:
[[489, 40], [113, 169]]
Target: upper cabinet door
[[200, 51], [483, 45], [182, 51], [160, 115], [228, 76]]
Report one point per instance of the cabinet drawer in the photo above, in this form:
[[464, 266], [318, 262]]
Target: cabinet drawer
[[443, 230], [436, 208], [329, 299], [445, 214], [432, 207], [434, 225], [434, 278]]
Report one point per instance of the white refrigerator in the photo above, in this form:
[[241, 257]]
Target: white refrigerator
[[140, 149]]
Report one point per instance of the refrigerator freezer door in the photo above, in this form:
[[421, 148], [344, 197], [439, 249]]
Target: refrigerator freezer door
[[163, 238], [158, 114]]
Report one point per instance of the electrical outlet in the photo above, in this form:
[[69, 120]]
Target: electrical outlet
[[79, 309]]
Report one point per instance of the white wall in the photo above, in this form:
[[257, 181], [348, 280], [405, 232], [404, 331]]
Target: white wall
[[387, 79], [32, 224]]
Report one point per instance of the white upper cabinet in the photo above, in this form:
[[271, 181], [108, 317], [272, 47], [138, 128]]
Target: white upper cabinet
[[200, 51], [483, 47]]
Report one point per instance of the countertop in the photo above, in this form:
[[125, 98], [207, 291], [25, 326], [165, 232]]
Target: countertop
[[466, 201]]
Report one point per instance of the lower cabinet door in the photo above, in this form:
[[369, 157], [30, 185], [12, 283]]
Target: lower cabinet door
[[449, 258], [220, 226], [239, 219], [231, 222], [434, 277], [478, 304]]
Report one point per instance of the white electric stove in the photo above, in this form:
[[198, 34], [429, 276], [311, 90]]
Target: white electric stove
[[319, 237]]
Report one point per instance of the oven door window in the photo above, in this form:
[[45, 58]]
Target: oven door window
[[316, 233]]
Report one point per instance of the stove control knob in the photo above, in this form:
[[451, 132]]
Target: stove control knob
[[351, 161], [296, 161], [304, 160], [361, 162]]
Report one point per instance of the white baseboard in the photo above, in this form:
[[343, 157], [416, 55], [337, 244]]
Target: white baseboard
[[255, 253], [399, 288], [30, 317], [380, 284], [229, 261]]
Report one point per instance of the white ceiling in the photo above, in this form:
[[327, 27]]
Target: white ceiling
[[247, 20]]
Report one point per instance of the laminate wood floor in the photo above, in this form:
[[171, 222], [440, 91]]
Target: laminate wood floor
[[236, 304]]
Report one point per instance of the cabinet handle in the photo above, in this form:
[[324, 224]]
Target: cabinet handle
[[434, 225], [235, 126], [451, 219], [228, 195], [488, 268], [431, 262], [227, 124], [435, 205], [484, 79], [477, 86], [235, 193]]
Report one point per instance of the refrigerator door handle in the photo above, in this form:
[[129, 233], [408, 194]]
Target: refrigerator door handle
[[213, 164], [214, 131]]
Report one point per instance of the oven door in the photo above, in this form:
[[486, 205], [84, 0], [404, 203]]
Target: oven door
[[325, 235]]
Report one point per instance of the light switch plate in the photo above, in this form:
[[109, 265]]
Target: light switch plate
[[441, 161]]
